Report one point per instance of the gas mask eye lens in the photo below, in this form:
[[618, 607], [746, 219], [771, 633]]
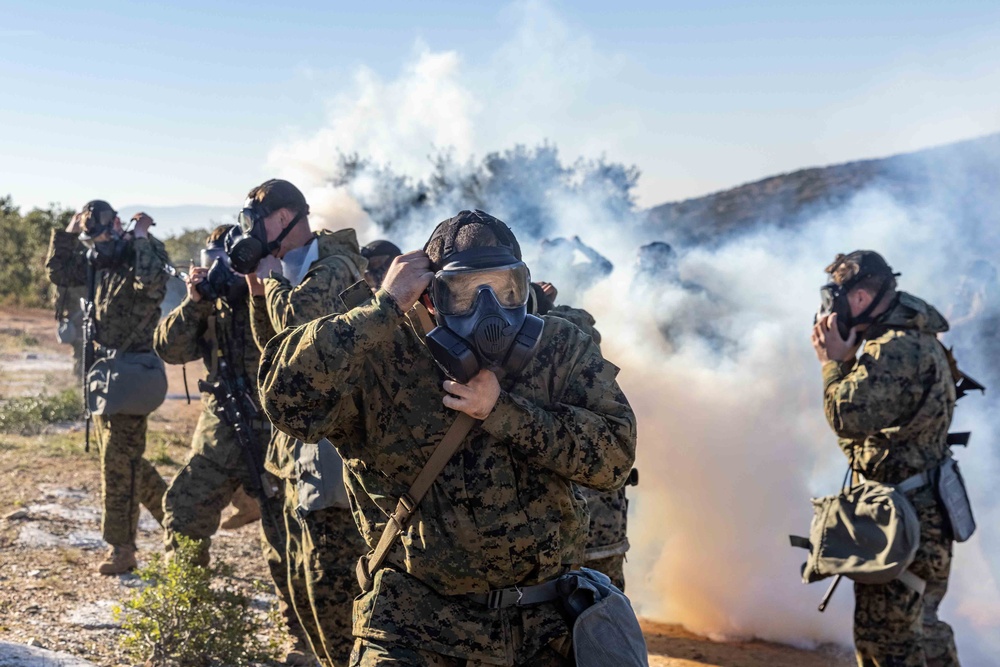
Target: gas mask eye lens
[[247, 219], [456, 292]]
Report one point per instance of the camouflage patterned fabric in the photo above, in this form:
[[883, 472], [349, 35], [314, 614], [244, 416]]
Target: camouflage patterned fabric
[[891, 409], [368, 653], [504, 512], [331, 546], [125, 296], [320, 563], [127, 479], [127, 304], [68, 309], [194, 501], [607, 541]]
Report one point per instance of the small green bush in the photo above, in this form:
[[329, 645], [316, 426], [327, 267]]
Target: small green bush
[[31, 414], [181, 618]]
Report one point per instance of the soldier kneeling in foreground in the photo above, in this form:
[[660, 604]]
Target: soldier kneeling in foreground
[[465, 583]]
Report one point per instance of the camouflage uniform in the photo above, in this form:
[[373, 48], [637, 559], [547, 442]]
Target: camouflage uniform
[[68, 310], [323, 545], [127, 304], [891, 409], [505, 511], [195, 499], [607, 541]]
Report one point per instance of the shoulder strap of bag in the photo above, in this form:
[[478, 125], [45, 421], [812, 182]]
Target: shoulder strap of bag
[[408, 502], [135, 332]]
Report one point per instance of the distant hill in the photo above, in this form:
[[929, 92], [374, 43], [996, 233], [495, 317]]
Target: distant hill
[[172, 220], [966, 173]]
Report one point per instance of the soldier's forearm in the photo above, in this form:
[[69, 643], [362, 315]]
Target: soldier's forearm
[[593, 449]]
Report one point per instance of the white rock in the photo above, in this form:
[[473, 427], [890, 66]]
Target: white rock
[[17, 655]]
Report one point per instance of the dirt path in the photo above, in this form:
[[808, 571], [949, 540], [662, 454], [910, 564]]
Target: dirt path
[[50, 540]]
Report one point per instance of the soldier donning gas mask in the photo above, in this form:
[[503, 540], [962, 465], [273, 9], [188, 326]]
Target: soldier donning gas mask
[[833, 296], [221, 282], [480, 297], [107, 246], [253, 245]]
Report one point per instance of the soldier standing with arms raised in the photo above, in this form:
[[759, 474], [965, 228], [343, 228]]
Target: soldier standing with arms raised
[[891, 408], [213, 324], [130, 284], [473, 576], [302, 274]]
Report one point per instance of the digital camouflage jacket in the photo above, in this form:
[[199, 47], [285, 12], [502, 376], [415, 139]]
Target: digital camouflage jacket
[[892, 406], [608, 509], [202, 330], [338, 266], [127, 298], [505, 511]]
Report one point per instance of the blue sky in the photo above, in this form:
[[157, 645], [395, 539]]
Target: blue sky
[[195, 102]]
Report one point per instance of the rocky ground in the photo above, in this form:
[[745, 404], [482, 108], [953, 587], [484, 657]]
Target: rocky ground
[[50, 597]]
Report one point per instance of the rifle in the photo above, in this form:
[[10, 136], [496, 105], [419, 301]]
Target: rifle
[[89, 320], [236, 408]]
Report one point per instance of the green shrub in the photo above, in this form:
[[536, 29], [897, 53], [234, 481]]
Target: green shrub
[[181, 618], [29, 415]]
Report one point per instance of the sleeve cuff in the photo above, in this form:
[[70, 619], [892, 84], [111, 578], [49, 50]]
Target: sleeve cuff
[[376, 319], [506, 419], [189, 306], [833, 372]]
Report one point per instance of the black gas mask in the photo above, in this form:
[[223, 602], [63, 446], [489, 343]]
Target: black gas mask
[[113, 249], [833, 296], [480, 300], [221, 282], [252, 246]]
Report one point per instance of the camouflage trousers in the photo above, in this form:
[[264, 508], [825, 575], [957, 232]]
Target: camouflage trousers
[[368, 653], [323, 548], [613, 566], [127, 479], [894, 626], [194, 502]]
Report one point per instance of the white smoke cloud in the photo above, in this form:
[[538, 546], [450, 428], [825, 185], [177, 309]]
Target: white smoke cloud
[[733, 441]]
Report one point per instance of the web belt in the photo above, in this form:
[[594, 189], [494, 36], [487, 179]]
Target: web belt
[[518, 596]]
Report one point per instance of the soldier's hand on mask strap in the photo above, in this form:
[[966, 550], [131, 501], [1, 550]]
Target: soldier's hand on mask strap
[[407, 278], [142, 224], [829, 345], [75, 226], [475, 399], [196, 274]]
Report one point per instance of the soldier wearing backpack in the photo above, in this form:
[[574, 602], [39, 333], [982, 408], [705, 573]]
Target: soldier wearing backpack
[[891, 406]]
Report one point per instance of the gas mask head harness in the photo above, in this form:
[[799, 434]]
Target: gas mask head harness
[[861, 264], [221, 282], [480, 298], [253, 246], [113, 249]]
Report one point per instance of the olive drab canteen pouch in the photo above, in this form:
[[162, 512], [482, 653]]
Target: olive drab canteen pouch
[[605, 628], [319, 473], [868, 533], [953, 498], [126, 383]]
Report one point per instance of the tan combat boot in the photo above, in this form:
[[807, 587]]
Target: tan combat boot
[[247, 511], [120, 560]]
